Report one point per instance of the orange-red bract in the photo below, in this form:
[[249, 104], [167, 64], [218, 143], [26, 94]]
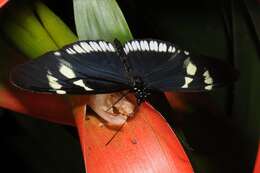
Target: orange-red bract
[[146, 143], [257, 162], [3, 2], [53, 108]]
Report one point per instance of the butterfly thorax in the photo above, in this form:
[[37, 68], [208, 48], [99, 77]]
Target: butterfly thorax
[[141, 91]]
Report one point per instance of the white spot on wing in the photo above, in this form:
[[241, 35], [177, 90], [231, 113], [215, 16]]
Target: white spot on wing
[[170, 49], [191, 68], [137, 45], [51, 78], [61, 92], [70, 51], [86, 46], [111, 47], [162, 47], [78, 49], [126, 49], [134, 45], [173, 49], [53, 82], [130, 46], [67, 72], [144, 45], [188, 80], [107, 46], [206, 74], [153, 46], [95, 46], [208, 79], [208, 87], [186, 52], [102, 45], [81, 84], [57, 53]]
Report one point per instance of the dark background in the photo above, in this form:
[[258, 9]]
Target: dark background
[[225, 141]]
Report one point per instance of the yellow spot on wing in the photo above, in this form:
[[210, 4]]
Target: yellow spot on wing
[[188, 80], [67, 72]]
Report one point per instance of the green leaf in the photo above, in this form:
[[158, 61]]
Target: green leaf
[[57, 29], [100, 19], [26, 32]]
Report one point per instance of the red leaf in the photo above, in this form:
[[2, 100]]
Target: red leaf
[[176, 101], [3, 2], [53, 108], [257, 162], [145, 144]]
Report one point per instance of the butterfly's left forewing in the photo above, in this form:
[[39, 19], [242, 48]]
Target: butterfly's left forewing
[[164, 66], [83, 67]]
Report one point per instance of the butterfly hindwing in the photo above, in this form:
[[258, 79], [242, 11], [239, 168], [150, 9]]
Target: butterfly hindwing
[[195, 73], [80, 68]]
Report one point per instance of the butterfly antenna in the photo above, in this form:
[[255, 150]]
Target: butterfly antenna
[[108, 142], [117, 101]]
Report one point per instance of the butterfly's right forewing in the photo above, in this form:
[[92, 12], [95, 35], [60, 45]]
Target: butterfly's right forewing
[[83, 67]]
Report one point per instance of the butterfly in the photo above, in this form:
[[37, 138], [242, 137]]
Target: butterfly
[[141, 66]]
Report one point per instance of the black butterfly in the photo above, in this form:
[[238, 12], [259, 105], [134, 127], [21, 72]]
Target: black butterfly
[[141, 66]]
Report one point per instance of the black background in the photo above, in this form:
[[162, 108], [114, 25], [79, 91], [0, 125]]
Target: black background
[[32, 145]]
